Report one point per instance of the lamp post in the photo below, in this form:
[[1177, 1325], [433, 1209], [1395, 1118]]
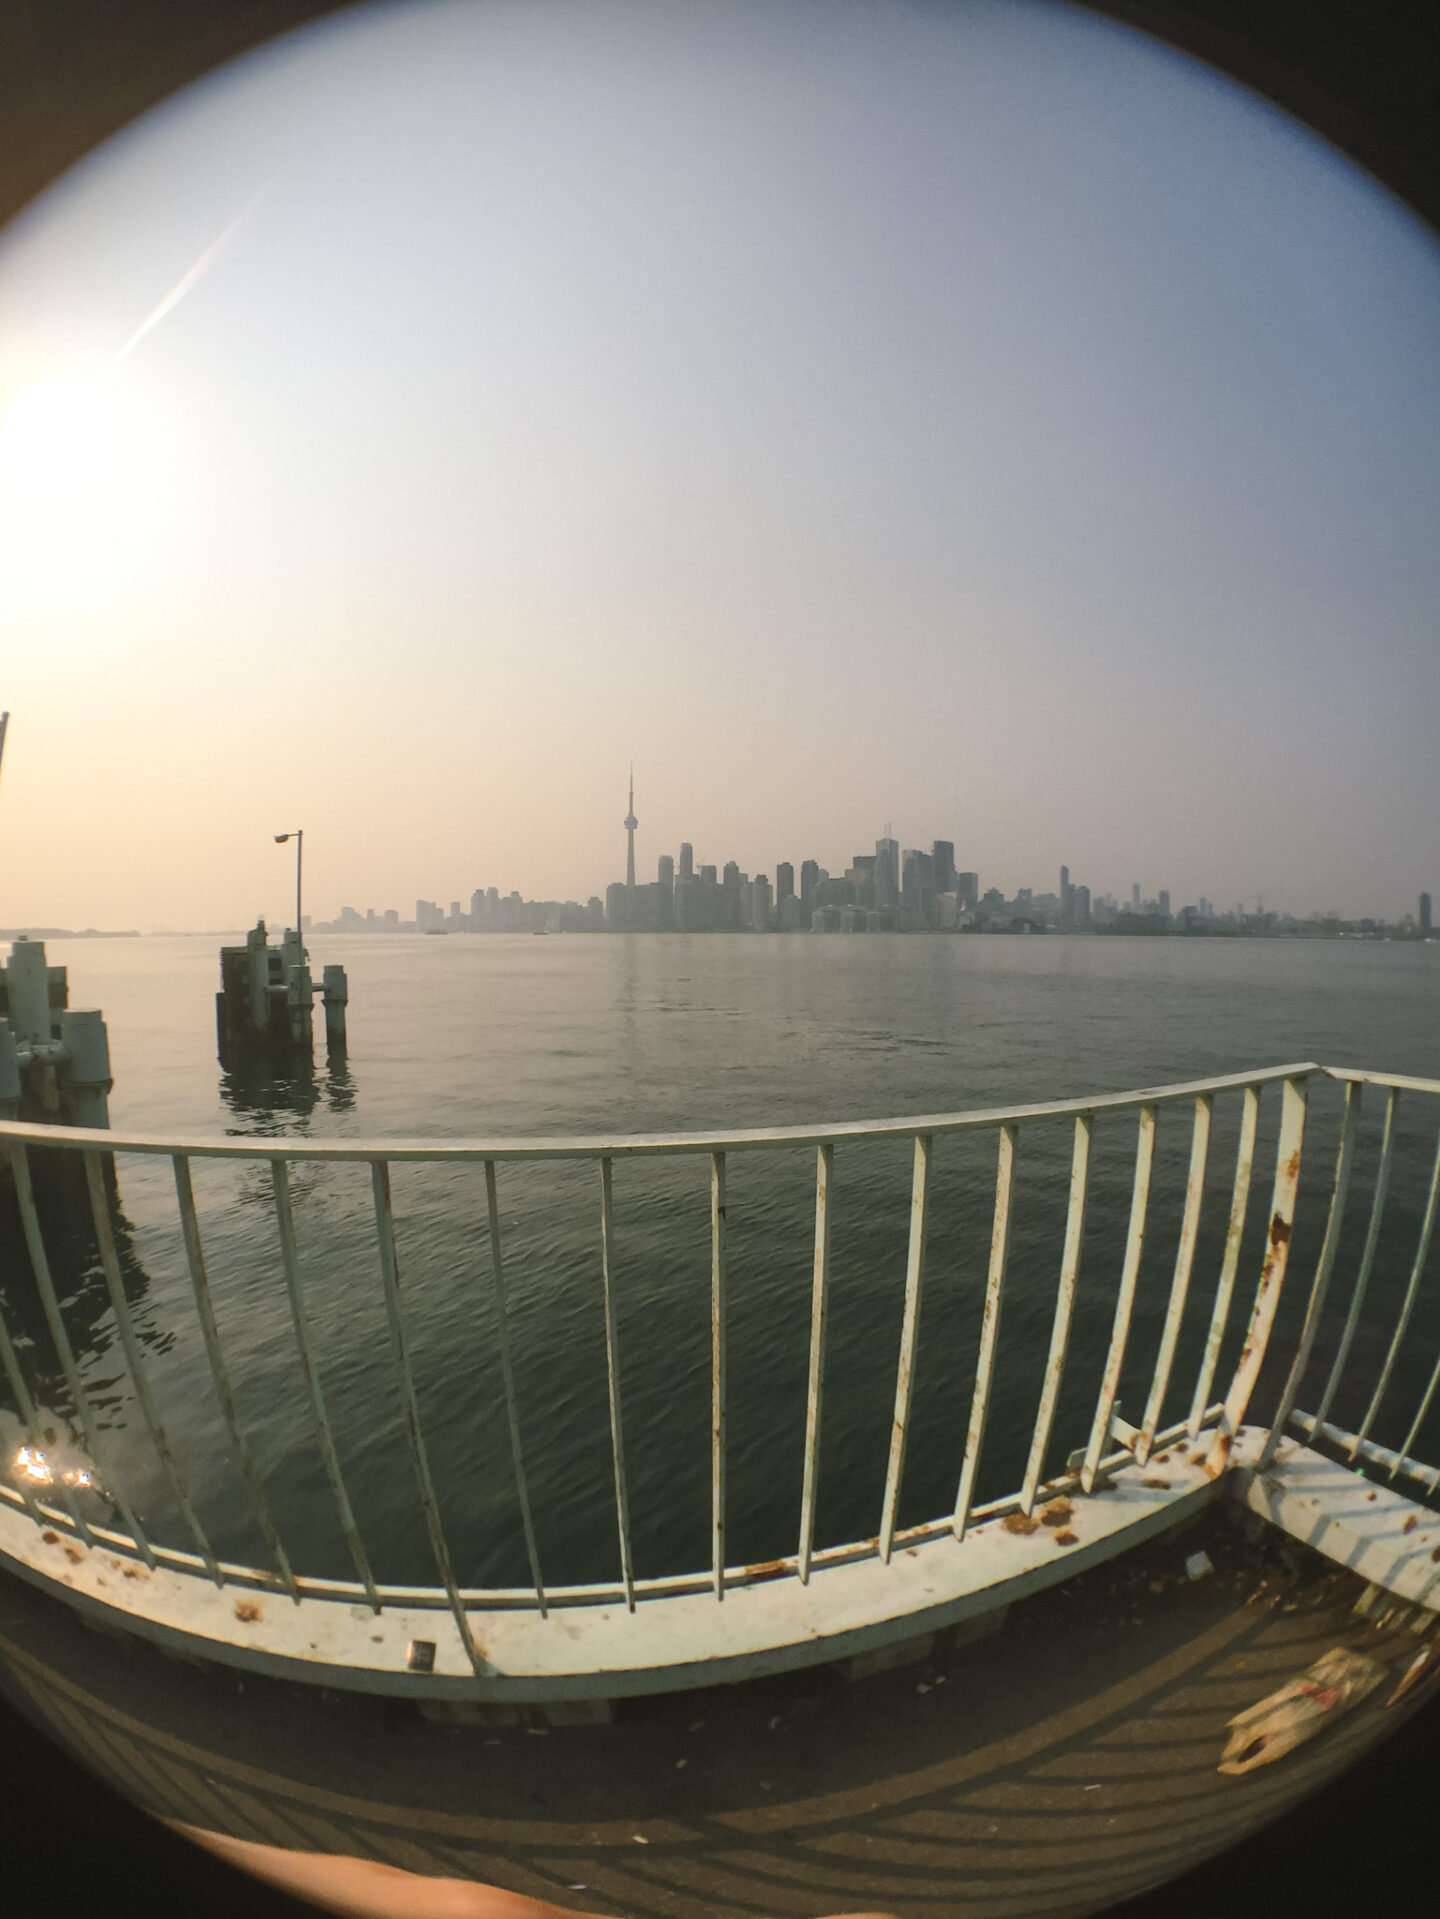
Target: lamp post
[[299, 838]]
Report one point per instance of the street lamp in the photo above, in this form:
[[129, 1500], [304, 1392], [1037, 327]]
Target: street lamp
[[299, 838]]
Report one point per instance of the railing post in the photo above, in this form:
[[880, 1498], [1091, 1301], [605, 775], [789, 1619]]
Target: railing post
[[210, 1333], [507, 1376], [1225, 1285], [1124, 1301], [1422, 1251], [290, 1265], [415, 1438], [717, 1371], [1272, 1272], [909, 1333], [1064, 1311], [1424, 1248], [120, 1306], [612, 1368], [815, 1388], [1180, 1283], [1367, 1257], [989, 1329]]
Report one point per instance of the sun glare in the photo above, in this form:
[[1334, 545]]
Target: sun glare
[[77, 460], [64, 441]]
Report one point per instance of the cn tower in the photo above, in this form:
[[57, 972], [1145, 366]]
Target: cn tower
[[630, 824]]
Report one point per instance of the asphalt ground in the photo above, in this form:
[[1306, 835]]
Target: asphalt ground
[[1058, 1766]]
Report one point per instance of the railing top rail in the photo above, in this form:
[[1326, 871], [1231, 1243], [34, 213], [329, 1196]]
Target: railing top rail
[[637, 1145], [1403, 1080]]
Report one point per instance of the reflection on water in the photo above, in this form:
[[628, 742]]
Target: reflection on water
[[270, 1103]]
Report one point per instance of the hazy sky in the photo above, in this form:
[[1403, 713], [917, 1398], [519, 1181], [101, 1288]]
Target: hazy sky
[[969, 416]]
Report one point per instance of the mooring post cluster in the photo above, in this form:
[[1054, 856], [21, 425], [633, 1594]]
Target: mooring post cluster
[[265, 1006], [54, 1059]]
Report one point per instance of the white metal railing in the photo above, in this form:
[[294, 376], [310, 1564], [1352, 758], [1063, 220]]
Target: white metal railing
[[52, 1499]]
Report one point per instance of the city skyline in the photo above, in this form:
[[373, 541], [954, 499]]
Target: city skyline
[[895, 888], [896, 876], [980, 416]]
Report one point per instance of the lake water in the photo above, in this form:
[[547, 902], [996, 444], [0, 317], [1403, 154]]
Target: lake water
[[523, 1036]]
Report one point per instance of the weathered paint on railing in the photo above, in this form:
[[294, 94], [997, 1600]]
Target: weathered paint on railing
[[989, 1328], [1089, 1470], [1272, 1273], [1125, 1299], [1180, 1283], [1230, 1264], [1064, 1312], [1281, 1224]]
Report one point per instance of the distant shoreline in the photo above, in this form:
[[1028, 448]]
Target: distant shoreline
[[68, 933], [1395, 936]]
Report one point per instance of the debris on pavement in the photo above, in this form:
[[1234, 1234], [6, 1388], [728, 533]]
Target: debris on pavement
[[1425, 1664], [1287, 1718]]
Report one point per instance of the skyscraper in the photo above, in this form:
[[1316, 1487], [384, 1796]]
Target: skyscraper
[[1425, 913], [784, 881], [967, 885], [809, 876], [917, 890], [732, 885], [861, 875], [942, 852], [1135, 897], [630, 824], [887, 873], [687, 860]]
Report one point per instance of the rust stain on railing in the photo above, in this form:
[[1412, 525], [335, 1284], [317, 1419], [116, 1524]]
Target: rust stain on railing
[[1210, 1431]]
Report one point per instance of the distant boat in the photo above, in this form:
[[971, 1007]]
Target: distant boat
[[434, 931]]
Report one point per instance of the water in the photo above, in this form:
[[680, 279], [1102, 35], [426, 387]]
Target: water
[[529, 1037]]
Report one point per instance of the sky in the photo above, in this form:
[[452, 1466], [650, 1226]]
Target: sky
[[971, 418]]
